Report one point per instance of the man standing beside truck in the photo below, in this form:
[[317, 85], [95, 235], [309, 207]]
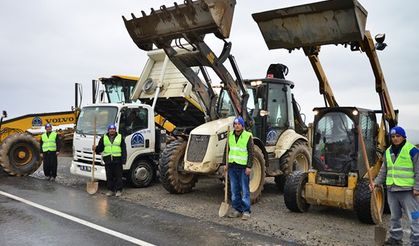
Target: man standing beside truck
[[113, 150], [400, 172], [240, 157], [50, 144]]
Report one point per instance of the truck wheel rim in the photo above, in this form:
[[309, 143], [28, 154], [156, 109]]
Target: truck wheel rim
[[141, 173]]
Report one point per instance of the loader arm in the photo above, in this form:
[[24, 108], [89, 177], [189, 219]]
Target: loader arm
[[367, 45], [191, 21], [324, 87]]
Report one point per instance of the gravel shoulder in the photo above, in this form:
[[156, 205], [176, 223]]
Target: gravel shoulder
[[319, 226]]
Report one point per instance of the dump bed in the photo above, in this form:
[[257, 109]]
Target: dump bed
[[176, 100]]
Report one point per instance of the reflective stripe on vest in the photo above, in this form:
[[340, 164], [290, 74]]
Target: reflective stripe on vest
[[238, 151], [401, 172], [49, 142], [114, 148]]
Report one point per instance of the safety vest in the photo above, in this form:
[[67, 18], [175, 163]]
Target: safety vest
[[401, 172], [238, 150], [49, 142], [114, 148]]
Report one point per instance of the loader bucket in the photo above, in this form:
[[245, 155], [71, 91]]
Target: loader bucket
[[327, 22], [190, 19]]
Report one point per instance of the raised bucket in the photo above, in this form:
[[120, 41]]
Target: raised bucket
[[192, 19], [327, 22]]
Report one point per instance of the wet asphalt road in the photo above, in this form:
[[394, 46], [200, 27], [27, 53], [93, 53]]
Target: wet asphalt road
[[23, 224]]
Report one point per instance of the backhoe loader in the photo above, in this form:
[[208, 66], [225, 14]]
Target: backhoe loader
[[339, 177], [266, 105]]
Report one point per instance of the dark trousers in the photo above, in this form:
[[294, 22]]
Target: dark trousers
[[114, 175], [240, 190], [50, 163]]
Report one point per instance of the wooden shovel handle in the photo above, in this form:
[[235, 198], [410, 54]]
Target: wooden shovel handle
[[226, 168], [94, 151], [367, 166]]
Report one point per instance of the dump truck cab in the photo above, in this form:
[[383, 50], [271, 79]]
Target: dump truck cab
[[144, 131], [136, 124]]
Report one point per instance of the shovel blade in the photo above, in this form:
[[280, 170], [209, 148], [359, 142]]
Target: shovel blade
[[92, 187], [379, 235], [223, 209]]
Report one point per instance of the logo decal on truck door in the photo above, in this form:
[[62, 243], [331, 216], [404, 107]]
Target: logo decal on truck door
[[137, 140]]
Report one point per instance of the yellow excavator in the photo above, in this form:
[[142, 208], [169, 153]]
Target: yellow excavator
[[339, 176]]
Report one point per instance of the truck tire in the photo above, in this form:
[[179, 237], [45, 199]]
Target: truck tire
[[142, 173], [171, 162], [257, 176], [364, 205], [297, 158], [20, 154], [293, 190]]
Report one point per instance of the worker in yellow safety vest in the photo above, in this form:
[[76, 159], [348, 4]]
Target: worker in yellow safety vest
[[400, 173], [50, 146], [112, 147], [240, 160]]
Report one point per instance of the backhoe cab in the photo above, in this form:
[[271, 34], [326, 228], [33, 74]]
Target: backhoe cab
[[266, 106], [339, 176]]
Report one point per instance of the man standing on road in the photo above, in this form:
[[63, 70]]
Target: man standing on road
[[50, 144], [113, 149], [400, 171], [240, 157]]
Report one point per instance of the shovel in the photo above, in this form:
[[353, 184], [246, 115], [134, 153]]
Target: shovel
[[92, 185], [224, 205], [379, 231]]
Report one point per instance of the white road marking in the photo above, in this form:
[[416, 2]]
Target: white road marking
[[80, 221]]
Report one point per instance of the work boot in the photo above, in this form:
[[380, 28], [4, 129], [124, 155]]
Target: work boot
[[118, 193], [393, 242], [110, 193], [246, 216], [234, 214]]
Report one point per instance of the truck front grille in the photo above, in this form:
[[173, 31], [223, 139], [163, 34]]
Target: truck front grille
[[197, 148]]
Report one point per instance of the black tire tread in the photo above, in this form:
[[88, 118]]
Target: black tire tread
[[363, 203], [293, 190], [168, 168], [10, 167], [256, 195], [287, 160]]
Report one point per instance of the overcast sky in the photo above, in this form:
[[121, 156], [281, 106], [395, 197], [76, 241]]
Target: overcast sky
[[46, 46]]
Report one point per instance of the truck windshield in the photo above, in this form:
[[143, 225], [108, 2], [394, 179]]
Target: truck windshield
[[119, 92], [104, 116]]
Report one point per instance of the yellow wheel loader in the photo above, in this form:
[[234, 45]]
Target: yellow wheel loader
[[339, 174], [19, 137], [266, 104]]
